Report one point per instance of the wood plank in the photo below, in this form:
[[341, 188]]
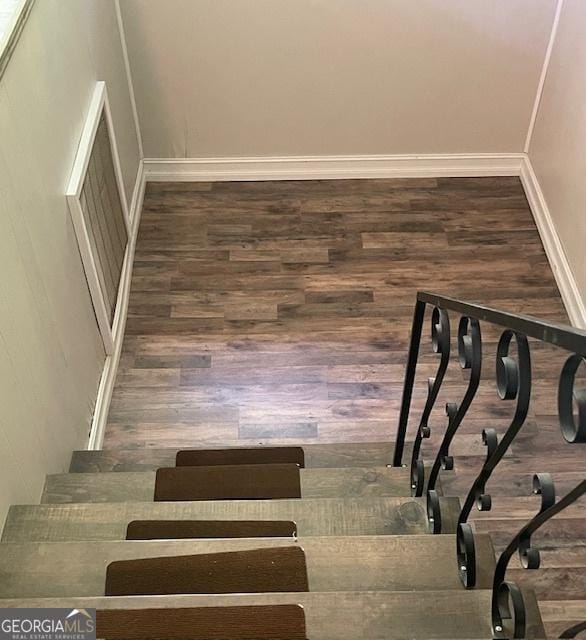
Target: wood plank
[[104, 211], [467, 234], [165, 529], [345, 616], [559, 615], [228, 482], [314, 516], [201, 483], [250, 455], [270, 622], [387, 563], [272, 569]]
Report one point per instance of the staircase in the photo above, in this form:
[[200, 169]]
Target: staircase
[[340, 541]]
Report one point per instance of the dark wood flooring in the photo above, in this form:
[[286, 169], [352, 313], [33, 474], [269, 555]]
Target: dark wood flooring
[[279, 312]]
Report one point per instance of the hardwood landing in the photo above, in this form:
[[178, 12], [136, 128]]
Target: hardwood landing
[[279, 312]]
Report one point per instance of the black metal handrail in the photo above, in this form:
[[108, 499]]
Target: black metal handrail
[[563, 336], [513, 383], [560, 335]]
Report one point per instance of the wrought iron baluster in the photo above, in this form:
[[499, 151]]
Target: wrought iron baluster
[[569, 338], [513, 382], [470, 356], [567, 394], [513, 378], [416, 328], [574, 630], [508, 613], [440, 337]]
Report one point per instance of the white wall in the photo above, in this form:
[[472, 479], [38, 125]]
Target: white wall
[[51, 354], [7, 9], [558, 146], [329, 77]]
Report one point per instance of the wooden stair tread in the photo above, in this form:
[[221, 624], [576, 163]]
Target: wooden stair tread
[[353, 454], [362, 454], [387, 563], [140, 486], [348, 615], [313, 516]]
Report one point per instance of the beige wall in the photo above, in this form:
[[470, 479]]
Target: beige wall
[[558, 145], [320, 77], [51, 355]]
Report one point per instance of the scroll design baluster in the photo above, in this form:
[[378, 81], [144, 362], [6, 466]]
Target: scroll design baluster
[[440, 338], [470, 357], [513, 377], [508, 612], [562, 336], [574, 630], [567, 393], [513, 380]]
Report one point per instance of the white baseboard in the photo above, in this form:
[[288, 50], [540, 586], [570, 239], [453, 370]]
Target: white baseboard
[[553, 246], [331, 167], [108, 378]]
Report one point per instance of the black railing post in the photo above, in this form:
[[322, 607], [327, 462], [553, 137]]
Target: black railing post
[[416, 330]]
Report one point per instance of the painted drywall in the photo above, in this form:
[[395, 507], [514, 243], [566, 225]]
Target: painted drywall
[[218, 78], [559, 138], [7, 10], [51, 354]]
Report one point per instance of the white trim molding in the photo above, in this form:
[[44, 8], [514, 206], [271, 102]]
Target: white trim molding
[[543, 76], [120, 22], [332, 167], [553, 246], [11, 27], [99, 105], [108, 379]]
